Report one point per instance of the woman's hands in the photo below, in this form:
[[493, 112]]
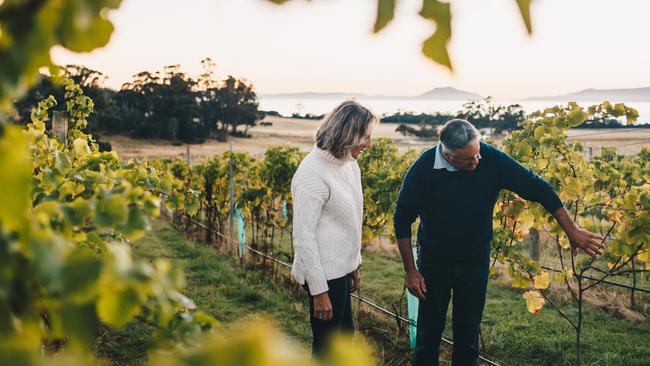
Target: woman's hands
[[355, 280], [322, 307], [322, 303]]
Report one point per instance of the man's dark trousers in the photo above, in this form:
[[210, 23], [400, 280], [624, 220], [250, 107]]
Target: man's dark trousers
[[466, 282]]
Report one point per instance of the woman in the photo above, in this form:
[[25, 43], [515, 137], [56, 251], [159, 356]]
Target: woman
[[327, 218]]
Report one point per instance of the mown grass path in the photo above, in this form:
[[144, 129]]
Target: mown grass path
[[218, 286]]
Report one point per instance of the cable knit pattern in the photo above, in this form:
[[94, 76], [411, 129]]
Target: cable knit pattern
[[327, 218]]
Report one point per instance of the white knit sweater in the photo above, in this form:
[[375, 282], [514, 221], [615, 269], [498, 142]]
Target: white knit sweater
[[327, 218]]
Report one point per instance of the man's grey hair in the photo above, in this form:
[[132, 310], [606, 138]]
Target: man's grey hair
[[457, 134], [344, 128]]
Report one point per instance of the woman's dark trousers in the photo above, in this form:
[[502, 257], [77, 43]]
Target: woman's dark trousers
[[339, 293], [465, 284]]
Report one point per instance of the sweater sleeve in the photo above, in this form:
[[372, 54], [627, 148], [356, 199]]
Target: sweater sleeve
[[309, 196], [524, 182], [408, 205]]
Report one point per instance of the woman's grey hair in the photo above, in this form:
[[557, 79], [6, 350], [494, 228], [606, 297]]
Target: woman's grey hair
[[457, 134], [343, 128]]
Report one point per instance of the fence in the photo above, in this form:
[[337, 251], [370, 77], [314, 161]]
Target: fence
[[380, 309]]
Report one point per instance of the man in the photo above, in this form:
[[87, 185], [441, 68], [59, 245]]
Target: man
[[453, 188]]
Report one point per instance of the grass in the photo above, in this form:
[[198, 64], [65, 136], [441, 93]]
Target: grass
[[511, 335], [514, 336], [218, 286]]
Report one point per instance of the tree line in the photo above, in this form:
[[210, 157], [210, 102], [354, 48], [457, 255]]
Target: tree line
[[168, 105], [486, 115]]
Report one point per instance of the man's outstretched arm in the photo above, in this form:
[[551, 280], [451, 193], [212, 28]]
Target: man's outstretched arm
[[532, 187]]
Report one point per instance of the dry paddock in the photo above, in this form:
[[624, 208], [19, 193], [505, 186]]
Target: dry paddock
[[300, 133]]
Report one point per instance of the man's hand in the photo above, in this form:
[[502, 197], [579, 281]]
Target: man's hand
[[416, 284], [590, 243], [322, 307], [355, 281]]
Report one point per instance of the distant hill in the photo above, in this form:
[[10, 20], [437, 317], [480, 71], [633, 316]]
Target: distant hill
[[448, 93], [312, 95], [613, 95]]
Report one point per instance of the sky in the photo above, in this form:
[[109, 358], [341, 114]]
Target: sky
[[328, 45]]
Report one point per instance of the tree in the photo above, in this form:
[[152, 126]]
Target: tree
[[485, 114], [225, 104], [238, 104], [162, 106]]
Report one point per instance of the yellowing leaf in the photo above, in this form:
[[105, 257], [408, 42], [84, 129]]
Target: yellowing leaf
[[435, 47], [644, 256], [524, 9], [564, 242], [80, 148], [542, 280], [534, 302], [615, 216]]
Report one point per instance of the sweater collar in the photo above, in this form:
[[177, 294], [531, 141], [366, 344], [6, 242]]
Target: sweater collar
[[331, 158]]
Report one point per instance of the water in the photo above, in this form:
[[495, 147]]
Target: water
[[287, 106]]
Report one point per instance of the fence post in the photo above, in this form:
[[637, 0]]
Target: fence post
[[60, 127], [412, 304], [241, 233], [232, 199]]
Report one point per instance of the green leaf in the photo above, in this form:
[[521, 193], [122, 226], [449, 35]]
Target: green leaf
[[117, 307], [15, 179], [77, 210], [524, 9], [80, 275], [435, 47], [83, 26], [111, 211], [81, 324], [385, 13], [62, 162], [136, 224]]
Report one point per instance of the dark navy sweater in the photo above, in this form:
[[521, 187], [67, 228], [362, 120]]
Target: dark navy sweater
[[456, 208]]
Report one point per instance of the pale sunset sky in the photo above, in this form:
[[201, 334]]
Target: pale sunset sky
[[328, 45]]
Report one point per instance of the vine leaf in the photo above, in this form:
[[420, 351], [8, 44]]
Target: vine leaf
[[385, 13], [534, 302], [15, 179], [542, 280], [435, 47], [524, 9]]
